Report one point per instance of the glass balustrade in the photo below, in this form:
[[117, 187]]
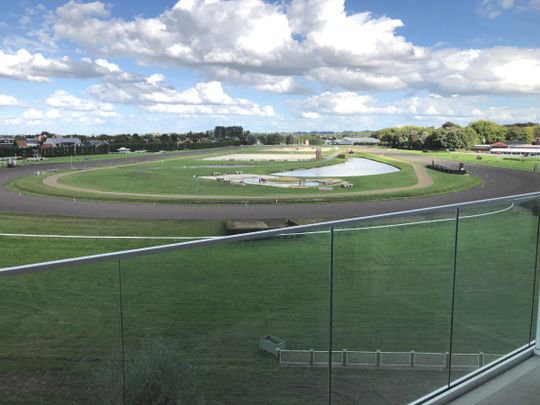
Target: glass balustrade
[[375, 310]]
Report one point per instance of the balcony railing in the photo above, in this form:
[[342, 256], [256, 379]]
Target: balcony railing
[[380, 309]]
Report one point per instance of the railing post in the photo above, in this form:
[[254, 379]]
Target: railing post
[[311, 356], [481, 359], [378, 358], [278, 356], [411, 358], [534, 289], [344, 357]]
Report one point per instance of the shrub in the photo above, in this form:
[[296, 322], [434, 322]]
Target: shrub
[[155, 376]]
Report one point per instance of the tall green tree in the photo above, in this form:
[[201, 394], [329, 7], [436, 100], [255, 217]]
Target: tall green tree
[[489, 131]]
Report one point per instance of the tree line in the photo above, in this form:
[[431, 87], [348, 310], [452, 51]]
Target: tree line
[[454, 136]]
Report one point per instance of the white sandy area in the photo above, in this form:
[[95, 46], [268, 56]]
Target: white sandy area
[[264, 156], [238, 177], [299, 149]]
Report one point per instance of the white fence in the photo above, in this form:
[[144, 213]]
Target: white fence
[[380, 359]]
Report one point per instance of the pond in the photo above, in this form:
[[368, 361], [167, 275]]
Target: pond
[[351, 168]]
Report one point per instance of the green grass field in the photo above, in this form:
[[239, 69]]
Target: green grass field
[[392, 291], [23, 250], [178, 180], [526, 164], [81, 159]]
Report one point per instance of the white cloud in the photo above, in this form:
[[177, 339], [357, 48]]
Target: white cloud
[[260, 81], [23, 65], [502, 70], [429, 108], [356, 79], [342, 103], [61, 99], [248, 41], [9, 101], [32, 114], [464, 109], [68, 109], [153, 93]]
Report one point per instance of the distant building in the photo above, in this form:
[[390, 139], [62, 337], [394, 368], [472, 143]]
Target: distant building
[[356, 141], [517, 151], [60, 142], [6, 140], [481, 148], [21, 143], [123, 150], [95, 142]]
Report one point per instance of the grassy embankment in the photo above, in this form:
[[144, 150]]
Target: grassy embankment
[[392, 290], [176, 180]]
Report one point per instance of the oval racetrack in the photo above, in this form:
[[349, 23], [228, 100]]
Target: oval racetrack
[[496, 183]]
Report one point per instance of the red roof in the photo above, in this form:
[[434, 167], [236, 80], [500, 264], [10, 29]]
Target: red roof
[[499, 145]]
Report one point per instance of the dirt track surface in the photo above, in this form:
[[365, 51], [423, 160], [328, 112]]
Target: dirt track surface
[[496, 183]]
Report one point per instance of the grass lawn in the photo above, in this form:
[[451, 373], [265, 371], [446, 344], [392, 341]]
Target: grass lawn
[[78, 159], [21, 250], [526, 164], [178, 180], [392, 291]]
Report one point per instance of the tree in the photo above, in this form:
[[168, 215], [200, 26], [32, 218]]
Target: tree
[[289, 140], [449, 124], [488, 131], [273, 139], [520, 133]]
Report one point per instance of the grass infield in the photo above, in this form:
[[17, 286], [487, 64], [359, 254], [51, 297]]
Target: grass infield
[[177, 180]]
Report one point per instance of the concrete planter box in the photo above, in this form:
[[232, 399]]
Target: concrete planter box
[[270, 344]]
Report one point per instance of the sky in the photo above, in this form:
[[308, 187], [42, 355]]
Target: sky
[[118, 66]]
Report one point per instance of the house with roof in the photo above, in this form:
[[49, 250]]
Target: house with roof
[[62, 142]]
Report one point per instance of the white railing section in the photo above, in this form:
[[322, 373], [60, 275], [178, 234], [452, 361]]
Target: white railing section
[[381, 359]]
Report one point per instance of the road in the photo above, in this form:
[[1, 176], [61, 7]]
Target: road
[[496, 183]]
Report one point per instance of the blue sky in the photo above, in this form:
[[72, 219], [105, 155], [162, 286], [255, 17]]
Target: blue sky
[[94, 67]]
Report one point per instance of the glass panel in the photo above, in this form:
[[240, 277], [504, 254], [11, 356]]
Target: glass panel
[[494, 282], [392, 299], [59, 336], [223, 312]]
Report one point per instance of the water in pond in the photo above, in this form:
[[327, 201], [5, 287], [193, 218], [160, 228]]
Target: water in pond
[[351, 168]]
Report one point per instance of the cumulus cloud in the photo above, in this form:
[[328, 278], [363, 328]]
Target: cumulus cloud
[[502, 70], [61, 99], [154, 93], [23, 65], [270, 46], [67, 107], [430, 108], [9, 101], [342, 103], [250, 42], [464, 109]]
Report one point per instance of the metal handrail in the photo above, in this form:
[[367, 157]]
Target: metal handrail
[[124, 254]]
